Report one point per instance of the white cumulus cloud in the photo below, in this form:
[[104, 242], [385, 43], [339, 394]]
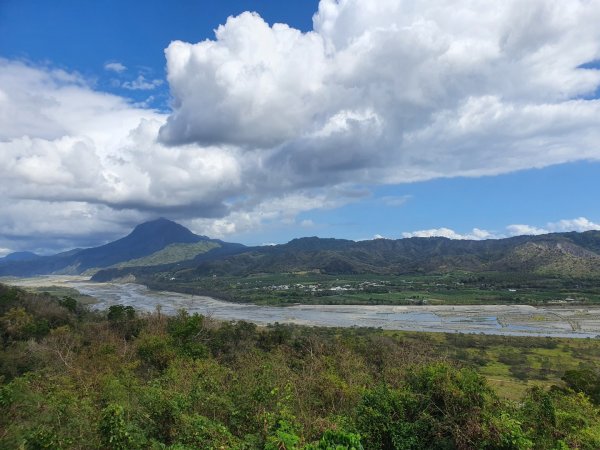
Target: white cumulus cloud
[[579, 224], [475, 234], [521, 229], [94, 156], [268, 121], [396, 91]]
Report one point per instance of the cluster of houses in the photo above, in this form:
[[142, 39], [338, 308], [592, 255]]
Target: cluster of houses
[[320, 288]]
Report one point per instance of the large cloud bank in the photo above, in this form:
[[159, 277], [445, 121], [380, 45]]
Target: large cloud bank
[[268, 121], [396, 90]]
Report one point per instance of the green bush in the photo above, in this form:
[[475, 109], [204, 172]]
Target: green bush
[[114, 431], [337, 440], [584, 380], [155, 350], [189, 334]]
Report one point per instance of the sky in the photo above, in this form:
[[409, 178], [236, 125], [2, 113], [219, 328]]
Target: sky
[[262, 121]]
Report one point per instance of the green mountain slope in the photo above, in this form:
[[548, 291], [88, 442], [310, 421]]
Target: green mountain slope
[[143, 245], [568, 254], [562, 258], [171, 254]]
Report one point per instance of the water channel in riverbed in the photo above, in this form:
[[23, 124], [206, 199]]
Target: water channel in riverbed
[[521, 320]]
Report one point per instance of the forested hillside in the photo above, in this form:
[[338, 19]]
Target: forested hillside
[[73, 379], [572, 255], [568, 254]]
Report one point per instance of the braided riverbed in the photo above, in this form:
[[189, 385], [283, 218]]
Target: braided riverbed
[[520, 320]]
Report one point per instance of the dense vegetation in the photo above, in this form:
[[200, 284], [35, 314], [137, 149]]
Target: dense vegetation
[[76, 379]]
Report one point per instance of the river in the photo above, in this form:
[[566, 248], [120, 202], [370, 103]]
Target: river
[[520, 320]]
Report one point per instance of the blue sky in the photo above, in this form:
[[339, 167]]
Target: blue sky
[[84, 36], [391, 119]]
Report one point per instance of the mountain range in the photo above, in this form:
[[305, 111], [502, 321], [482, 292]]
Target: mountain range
[[560, 254], [163, 246]]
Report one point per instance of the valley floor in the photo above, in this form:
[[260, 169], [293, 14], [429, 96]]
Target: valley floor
[[557, 320]]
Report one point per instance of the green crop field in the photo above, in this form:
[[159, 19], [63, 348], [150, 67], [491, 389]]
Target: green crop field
[[452, 289]]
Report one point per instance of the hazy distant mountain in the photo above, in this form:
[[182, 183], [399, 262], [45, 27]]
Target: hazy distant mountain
[[20, 256], [148, 240]]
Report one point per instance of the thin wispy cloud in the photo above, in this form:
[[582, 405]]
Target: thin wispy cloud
[[114, 66], [395, 201], [307, 223], [142, 84]]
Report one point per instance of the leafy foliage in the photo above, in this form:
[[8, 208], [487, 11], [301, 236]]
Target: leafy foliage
[[584, 380]]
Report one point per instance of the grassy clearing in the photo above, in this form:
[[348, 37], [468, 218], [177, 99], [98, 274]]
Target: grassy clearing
[[514, 364], [63, 291]]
